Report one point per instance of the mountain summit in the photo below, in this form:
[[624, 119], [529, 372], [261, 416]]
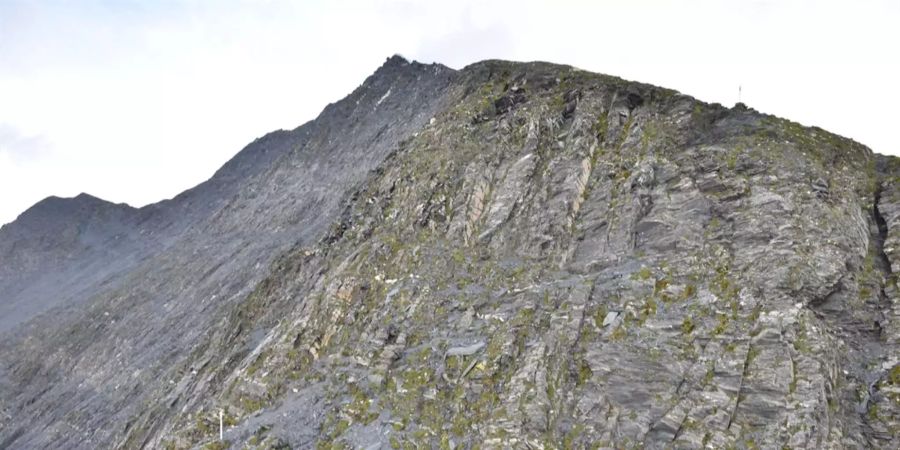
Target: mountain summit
[[511, 255]]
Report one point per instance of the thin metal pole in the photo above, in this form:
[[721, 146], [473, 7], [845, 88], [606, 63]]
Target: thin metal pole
[[221, 425]]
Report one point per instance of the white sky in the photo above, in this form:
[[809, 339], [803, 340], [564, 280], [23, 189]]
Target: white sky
[[137, 101]]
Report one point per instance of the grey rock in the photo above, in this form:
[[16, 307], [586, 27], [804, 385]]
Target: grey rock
[[465, 351], [610, 318], [509, 256]]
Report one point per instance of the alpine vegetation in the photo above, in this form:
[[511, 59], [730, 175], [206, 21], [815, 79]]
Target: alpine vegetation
[[510, 255]]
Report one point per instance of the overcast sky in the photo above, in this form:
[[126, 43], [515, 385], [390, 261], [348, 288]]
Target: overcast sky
[[137, 101]]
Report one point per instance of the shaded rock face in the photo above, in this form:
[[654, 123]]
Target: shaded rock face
[[54, 243], [101, 356], [506, 256]]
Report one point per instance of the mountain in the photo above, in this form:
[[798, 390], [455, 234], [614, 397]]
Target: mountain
[[511, 255]]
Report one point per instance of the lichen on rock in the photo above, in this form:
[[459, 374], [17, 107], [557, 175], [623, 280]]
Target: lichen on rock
[[561, 259]]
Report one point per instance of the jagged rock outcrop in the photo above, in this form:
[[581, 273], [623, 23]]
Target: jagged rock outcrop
[[506, 256]]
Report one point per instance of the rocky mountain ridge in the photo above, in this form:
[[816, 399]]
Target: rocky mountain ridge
[[512, 255]]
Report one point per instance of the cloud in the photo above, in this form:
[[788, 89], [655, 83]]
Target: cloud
[[20, 147], [137, 101], [454, 36], [467, 43]]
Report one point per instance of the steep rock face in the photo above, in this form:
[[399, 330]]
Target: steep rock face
[[91, 365], [556, 259], [602, 263]]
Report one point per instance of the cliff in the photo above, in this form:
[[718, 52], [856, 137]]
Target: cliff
[[518, 255]]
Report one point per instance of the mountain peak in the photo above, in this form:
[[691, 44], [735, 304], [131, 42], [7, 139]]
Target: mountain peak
[[512, 254], [57, 204], [397, 64], [396, 59], [85, 197]]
